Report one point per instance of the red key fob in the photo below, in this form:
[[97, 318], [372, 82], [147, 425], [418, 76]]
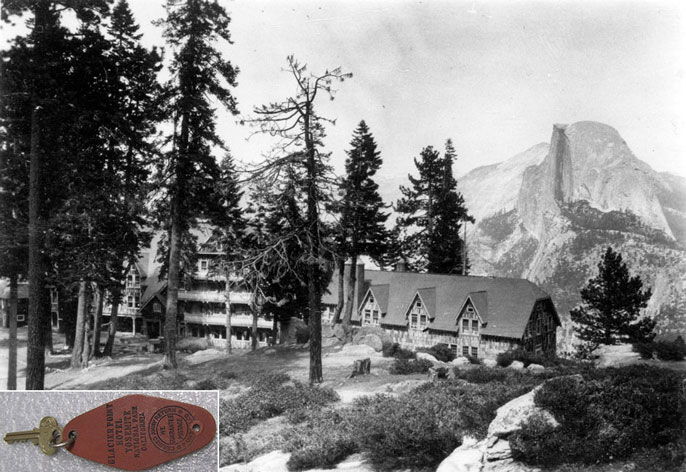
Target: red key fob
[[137, 432]]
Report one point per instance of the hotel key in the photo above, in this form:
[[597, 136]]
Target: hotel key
[[47, 432]]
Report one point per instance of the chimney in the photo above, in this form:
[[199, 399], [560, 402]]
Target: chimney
[[401, 266]]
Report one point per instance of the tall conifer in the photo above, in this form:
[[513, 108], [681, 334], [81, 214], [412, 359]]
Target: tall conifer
[[363, 218], [191, 172]]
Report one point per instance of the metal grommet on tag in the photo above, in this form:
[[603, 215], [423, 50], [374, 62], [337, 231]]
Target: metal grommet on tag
[[71, 437]]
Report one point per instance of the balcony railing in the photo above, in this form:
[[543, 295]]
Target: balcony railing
[[211, 296], [219, 319]]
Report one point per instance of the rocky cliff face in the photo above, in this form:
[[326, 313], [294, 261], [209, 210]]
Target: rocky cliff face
[[556, 207]]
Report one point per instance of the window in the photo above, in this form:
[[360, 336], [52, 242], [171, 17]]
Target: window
[[129, 301], [371, 299], [465, 350], [475, 326], [465, 326], [475, 352], [423, 321], [156, 307], [136, 280], [453, 348], [203, 265], [21, 317], [367, 316], [375, 317], [137, 299], [413, 320]]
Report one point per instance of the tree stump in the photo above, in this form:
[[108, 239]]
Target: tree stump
[[361, 367]]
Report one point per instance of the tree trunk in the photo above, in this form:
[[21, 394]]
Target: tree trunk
[[227, 298], [257, 312], [35, 355], [340, 265], [172, 291], [350, 297], [12, 311], [85, 355], [316, 375], [314, 298], [114, 315], [97, 322], [80, 326]]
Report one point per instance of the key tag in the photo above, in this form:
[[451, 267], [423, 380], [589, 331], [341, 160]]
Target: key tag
[[137, 432]]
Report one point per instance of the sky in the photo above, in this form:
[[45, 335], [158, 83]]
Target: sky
[[492, 75]]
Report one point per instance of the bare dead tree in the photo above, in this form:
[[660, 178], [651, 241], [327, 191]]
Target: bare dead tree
[[300, 130]]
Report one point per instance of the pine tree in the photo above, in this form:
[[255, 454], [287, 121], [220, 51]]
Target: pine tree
[[431, 215], [446, 252], [296, 121], [362, 226], [199, 72], [47, 54], [611, 306]]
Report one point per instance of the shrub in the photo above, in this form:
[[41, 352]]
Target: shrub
[[405, 367], [441, 352], [474, 360], [506, 358], [608, 416], [394, 350], [414, 431], [665, 350], [322, 439], [270, 395]]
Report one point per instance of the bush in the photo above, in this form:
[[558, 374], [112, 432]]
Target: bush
[[506, 358], [322, 439], [394, 350], [414, 431], [665, 350], [405, 367], [441, 352], [608, 416], [270, 395]]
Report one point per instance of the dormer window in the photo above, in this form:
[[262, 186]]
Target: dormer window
[[419, 318], [204, 264]]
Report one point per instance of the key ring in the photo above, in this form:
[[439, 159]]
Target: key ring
[[67, 443]]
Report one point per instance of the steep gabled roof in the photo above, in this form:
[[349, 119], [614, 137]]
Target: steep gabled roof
[[505, 304], [428, 297], [153, 286]]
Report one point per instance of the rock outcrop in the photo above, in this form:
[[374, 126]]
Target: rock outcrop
[[493, 454], [557, 207]]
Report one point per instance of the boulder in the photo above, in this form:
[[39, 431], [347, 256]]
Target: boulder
[[360, 333], [535, 367], [499, 451], [508, 465], [511, 416], [461, 360], [338, 332], [426, 356], [331, 341], [373, 341], [359, 351], [466, 458], [489, 363], [516, 365], [294, 332]]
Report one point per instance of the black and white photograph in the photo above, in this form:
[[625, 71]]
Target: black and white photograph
[[390, 235]]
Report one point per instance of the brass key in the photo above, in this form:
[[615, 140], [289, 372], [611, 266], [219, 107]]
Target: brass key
[[47, 432]]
